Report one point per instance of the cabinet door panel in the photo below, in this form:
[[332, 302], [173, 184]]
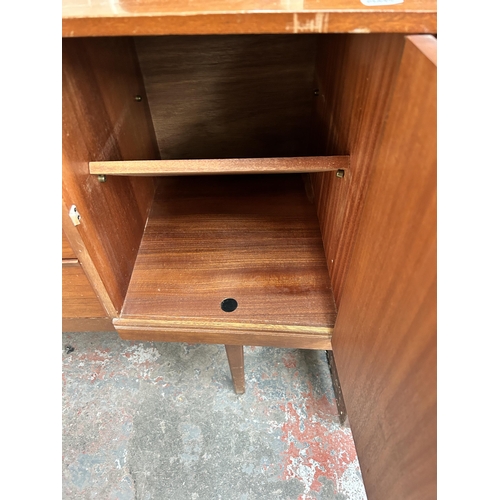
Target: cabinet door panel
[[385, 336], [67, 251], [78, 298]]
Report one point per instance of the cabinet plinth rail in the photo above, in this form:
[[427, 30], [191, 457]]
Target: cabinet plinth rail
[[301, 164]]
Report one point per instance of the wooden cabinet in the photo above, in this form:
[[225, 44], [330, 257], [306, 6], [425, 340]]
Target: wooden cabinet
[[266, 177], [384, 339], [81, 309]]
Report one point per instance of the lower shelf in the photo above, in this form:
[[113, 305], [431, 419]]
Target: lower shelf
[[254, 239]]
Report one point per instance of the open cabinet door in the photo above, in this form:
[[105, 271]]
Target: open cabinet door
[[384, 340]]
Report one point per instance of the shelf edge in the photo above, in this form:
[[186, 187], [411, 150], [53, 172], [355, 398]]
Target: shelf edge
[[223, 166], [176, 332]]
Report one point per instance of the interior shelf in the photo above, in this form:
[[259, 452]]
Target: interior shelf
[[220, 166], [254, 239]]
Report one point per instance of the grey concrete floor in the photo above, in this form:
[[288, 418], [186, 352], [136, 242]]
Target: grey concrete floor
[[158, 421]]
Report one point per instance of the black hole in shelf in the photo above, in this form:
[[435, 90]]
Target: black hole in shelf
[[228, 305]]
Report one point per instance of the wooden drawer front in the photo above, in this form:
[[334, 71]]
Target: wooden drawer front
[[78, 297], [67, 251]]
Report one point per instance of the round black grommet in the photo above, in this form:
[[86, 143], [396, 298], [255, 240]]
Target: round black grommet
[[228, 305]]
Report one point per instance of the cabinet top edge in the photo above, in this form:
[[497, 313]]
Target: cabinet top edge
[[154, 17]]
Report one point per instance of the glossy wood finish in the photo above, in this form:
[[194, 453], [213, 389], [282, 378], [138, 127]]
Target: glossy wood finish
[[385, 336], [87, 325], [67, 251], [86, 262], [199, 331], [255, 239], [237, 366], [384, 344], [78, 297], [102, 121], [229, 96], [355, 78], [222, 166], [157, 17]]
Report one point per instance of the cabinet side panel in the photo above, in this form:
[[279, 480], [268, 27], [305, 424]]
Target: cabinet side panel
[[102, 120], [384, 341], [355, 78]]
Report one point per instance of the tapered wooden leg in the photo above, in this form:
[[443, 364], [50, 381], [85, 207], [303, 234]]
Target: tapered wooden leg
[[237, 367]]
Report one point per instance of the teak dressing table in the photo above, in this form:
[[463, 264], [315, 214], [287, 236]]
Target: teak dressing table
[[263, 173]]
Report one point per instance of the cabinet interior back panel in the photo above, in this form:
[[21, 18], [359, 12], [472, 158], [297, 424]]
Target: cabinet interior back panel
[[230, 96]]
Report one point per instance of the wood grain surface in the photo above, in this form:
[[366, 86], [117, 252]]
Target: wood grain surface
[[211, 332], [87, 325], [157, 17], [385, 336], [78, 297], [230, 96], [221, 166], [252, 238], [86, 262], [102, 121], [67, 251], [355, 77]]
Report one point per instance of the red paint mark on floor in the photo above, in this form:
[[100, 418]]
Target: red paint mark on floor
[[94, 356], [314, 448], [259, 394], [99, 374], [320, 405], [289, 360]]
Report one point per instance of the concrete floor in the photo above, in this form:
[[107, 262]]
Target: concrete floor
[[160, 421]]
